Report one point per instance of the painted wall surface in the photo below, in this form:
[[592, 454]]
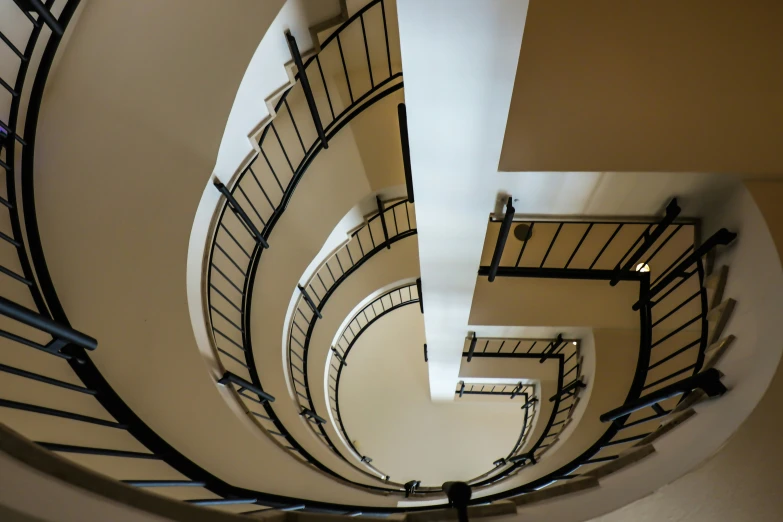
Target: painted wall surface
[[265, 75], [128, 137], [742, 477], [385, 406], [522, 301], [608, 379], [742, 481], [665, 86], [22, 488]]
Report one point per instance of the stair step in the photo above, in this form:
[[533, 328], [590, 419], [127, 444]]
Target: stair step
[[625, 459], [495, 509], [695, 397], [718, 317], [717, 283], [716, 351], [665, 428], [568, 487], [335, 21]]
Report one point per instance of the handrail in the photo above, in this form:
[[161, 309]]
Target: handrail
[[526, 392], [346, 339], [260, 194], [567, 354], [629, 240], [62, 333], [73, 346], [361, 247], [52, 316]]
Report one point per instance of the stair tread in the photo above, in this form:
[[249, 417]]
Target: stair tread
[[625, 459], [571, 486], [717, 283], [665, 428], [720, 316], [495, 509], [716, 351]]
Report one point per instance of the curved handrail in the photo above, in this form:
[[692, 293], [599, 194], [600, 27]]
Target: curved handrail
[[70, 345], [362, 245], [525, 392], [405, 295], [566, 396], [240, 236], [49, 307], [665, 287]]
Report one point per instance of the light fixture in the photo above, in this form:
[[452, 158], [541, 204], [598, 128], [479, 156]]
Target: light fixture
[[642, 267], [574, 343], [523, 232]]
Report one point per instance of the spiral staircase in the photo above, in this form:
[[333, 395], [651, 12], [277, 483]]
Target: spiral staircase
[[251, 270]]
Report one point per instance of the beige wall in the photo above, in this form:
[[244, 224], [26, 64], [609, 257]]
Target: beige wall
[[385, 406], [680, 86], [742, 482], [128, 139]]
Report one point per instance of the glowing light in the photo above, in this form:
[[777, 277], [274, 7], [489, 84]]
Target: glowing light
[[642, 267]]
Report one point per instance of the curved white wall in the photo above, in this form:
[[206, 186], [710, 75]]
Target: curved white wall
[[128, 137]]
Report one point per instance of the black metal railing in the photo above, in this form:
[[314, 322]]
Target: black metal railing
[[52, 385], [47, 401], [337, 362], [393, 222], [37, 326], [51, 402], [524, 393], [673, 312], [32, 319], [566, 354], [612, 249], [352, 71]]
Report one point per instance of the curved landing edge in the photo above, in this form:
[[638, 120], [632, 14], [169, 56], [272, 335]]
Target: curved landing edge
[[59, 468]]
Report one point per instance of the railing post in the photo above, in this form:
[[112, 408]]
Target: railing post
[[402, 118], [459, 494], [306, 87], [551, 348], [573, 387], [43, 12], [530, 403], [241, 213], [505, 228], [461, 388], [421, 297], [472, 346], [383, 222], [235, 379], [522, 459], [708, 381], [672, 211], [721, 237], [310, 302], [339, 357], [310, 414], [411, 486], [426, 357], [516, 390]]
